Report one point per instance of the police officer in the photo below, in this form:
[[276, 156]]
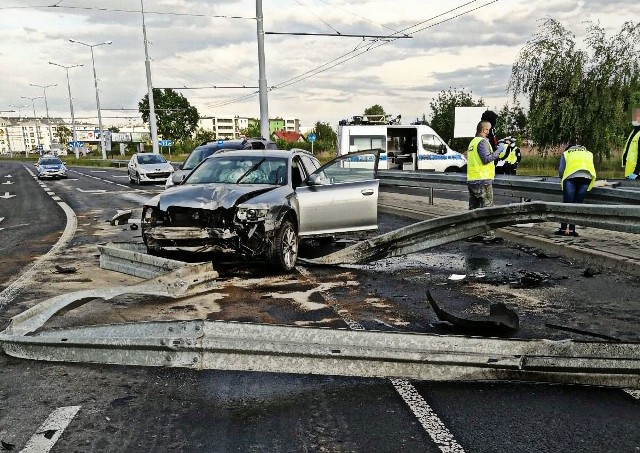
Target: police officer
[[513, 157], [630, 160], [578, 176], [480, 173]]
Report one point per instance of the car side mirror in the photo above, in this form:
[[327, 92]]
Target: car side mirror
[[314, 180], [180, 167], [443, 149]]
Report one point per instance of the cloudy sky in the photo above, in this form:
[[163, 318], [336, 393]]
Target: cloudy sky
[[198, 44]]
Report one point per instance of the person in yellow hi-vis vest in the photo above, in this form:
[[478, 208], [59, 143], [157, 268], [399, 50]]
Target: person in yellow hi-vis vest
[[630, 161], [578, 176], [480, 174]]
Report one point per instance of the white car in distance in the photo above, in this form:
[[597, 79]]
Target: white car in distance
[[148, 167]]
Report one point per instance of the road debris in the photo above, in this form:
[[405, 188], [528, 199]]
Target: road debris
[[65, 270], [502, 321], [591, 271], [121, 217]]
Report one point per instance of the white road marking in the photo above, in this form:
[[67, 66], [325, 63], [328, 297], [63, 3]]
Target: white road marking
[[1, 219], [8, 182], [10, 291], [119, 176], [50, 431], [633, 392], [6, 196], [8, 176], [429, 420], [98, 171]]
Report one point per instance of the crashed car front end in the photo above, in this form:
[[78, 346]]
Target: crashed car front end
[[242, 226]]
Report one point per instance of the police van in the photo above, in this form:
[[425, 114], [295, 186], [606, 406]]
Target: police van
[[404, 147]]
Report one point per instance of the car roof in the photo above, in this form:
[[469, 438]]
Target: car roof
[[261, 152]]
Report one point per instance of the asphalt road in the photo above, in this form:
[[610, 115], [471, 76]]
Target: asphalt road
[[115, 409]]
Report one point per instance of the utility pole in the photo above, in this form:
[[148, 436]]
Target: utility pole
[[152, 111], [262, 82]]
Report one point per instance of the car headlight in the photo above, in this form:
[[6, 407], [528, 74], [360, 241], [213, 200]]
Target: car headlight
[[252, 214], [149, 213]]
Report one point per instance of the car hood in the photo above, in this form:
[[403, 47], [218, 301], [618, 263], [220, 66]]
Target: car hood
[[209, 196], [155, 167]]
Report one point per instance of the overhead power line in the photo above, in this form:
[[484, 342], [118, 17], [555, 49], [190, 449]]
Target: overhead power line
[[360, 51]]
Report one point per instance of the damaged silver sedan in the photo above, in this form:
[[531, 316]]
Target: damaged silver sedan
[[258, 204]]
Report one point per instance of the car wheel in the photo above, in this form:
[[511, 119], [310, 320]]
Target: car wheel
[[284, 249]]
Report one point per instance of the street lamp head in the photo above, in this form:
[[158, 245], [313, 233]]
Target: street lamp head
[[66, 67], [90, 45]]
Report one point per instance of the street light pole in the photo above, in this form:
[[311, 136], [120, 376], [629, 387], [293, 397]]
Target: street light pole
[[73, 118], [95, 80], [19, 107], [34, 116], [46, 106]]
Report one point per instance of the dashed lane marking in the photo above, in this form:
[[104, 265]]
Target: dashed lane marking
[[50, 431], [633, 392]]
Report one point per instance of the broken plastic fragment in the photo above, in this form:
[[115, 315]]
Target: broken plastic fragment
[[502, 321]]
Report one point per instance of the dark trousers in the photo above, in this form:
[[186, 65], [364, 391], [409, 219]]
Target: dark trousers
[[574, 190]]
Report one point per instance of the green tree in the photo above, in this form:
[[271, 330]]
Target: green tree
[[203, 135], [512, 121], [578, 95], [176, 118], [374, 110], [253, 130], [63, 134], [443, 110], [324, 132]]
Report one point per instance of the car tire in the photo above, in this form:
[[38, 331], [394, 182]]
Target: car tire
[[283, 252]]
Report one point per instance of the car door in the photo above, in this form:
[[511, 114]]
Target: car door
[[340, 196]]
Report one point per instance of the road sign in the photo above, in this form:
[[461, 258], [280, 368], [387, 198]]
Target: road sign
[[311, 137], [39, 147], [77, 144], [165, 142]]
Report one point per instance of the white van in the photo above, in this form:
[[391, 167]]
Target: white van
[[404, 147]]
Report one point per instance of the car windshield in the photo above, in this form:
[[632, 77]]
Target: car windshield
[[241, 170], [50, 162], [151, 159]]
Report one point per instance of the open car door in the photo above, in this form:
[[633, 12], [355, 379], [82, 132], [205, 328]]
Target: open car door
[[340, 196]]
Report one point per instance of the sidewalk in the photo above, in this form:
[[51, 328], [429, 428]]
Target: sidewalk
[[601, 248]]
